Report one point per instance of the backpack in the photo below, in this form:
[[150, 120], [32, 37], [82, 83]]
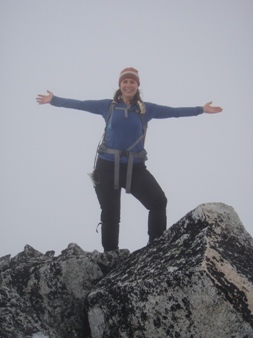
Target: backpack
[[102, 149]]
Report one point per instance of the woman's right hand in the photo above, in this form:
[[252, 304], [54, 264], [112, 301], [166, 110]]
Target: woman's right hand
[[42, 99]]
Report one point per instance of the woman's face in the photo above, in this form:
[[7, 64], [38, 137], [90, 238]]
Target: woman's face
[[128, 89]]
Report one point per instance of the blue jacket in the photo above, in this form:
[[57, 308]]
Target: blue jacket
[[125, 125]]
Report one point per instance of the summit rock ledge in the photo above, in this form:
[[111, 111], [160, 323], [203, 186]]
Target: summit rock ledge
[[195, 281]]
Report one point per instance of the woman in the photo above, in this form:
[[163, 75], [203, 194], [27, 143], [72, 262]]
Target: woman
[[121, 155]]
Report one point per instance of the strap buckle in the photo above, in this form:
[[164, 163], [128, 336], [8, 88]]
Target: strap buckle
[[124, 153]]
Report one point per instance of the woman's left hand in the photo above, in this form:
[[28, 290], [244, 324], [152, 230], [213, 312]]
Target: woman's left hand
[[211, 109]]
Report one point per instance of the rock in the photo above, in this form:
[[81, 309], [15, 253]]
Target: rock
[[4, 262], [194, 281], [42, 293]]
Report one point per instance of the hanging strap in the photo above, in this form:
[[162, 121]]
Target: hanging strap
[[142, 156]]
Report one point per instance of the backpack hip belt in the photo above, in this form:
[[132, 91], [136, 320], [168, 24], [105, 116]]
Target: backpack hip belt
[[142, 156]]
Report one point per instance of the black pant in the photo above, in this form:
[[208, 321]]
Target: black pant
[[144, 187]]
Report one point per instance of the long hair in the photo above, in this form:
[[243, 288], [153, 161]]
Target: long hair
[[135, 100], [118, 96]]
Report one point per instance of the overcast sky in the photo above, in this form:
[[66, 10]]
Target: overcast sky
[[187, 52]]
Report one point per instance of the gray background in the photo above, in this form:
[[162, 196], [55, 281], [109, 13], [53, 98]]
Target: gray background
[[187, 53]]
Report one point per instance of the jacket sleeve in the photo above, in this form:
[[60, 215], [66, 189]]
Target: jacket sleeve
[[99, 107], [155, 111]]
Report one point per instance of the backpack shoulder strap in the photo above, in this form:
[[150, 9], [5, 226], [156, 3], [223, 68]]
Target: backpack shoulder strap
[[109, 112], [144, 126]]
